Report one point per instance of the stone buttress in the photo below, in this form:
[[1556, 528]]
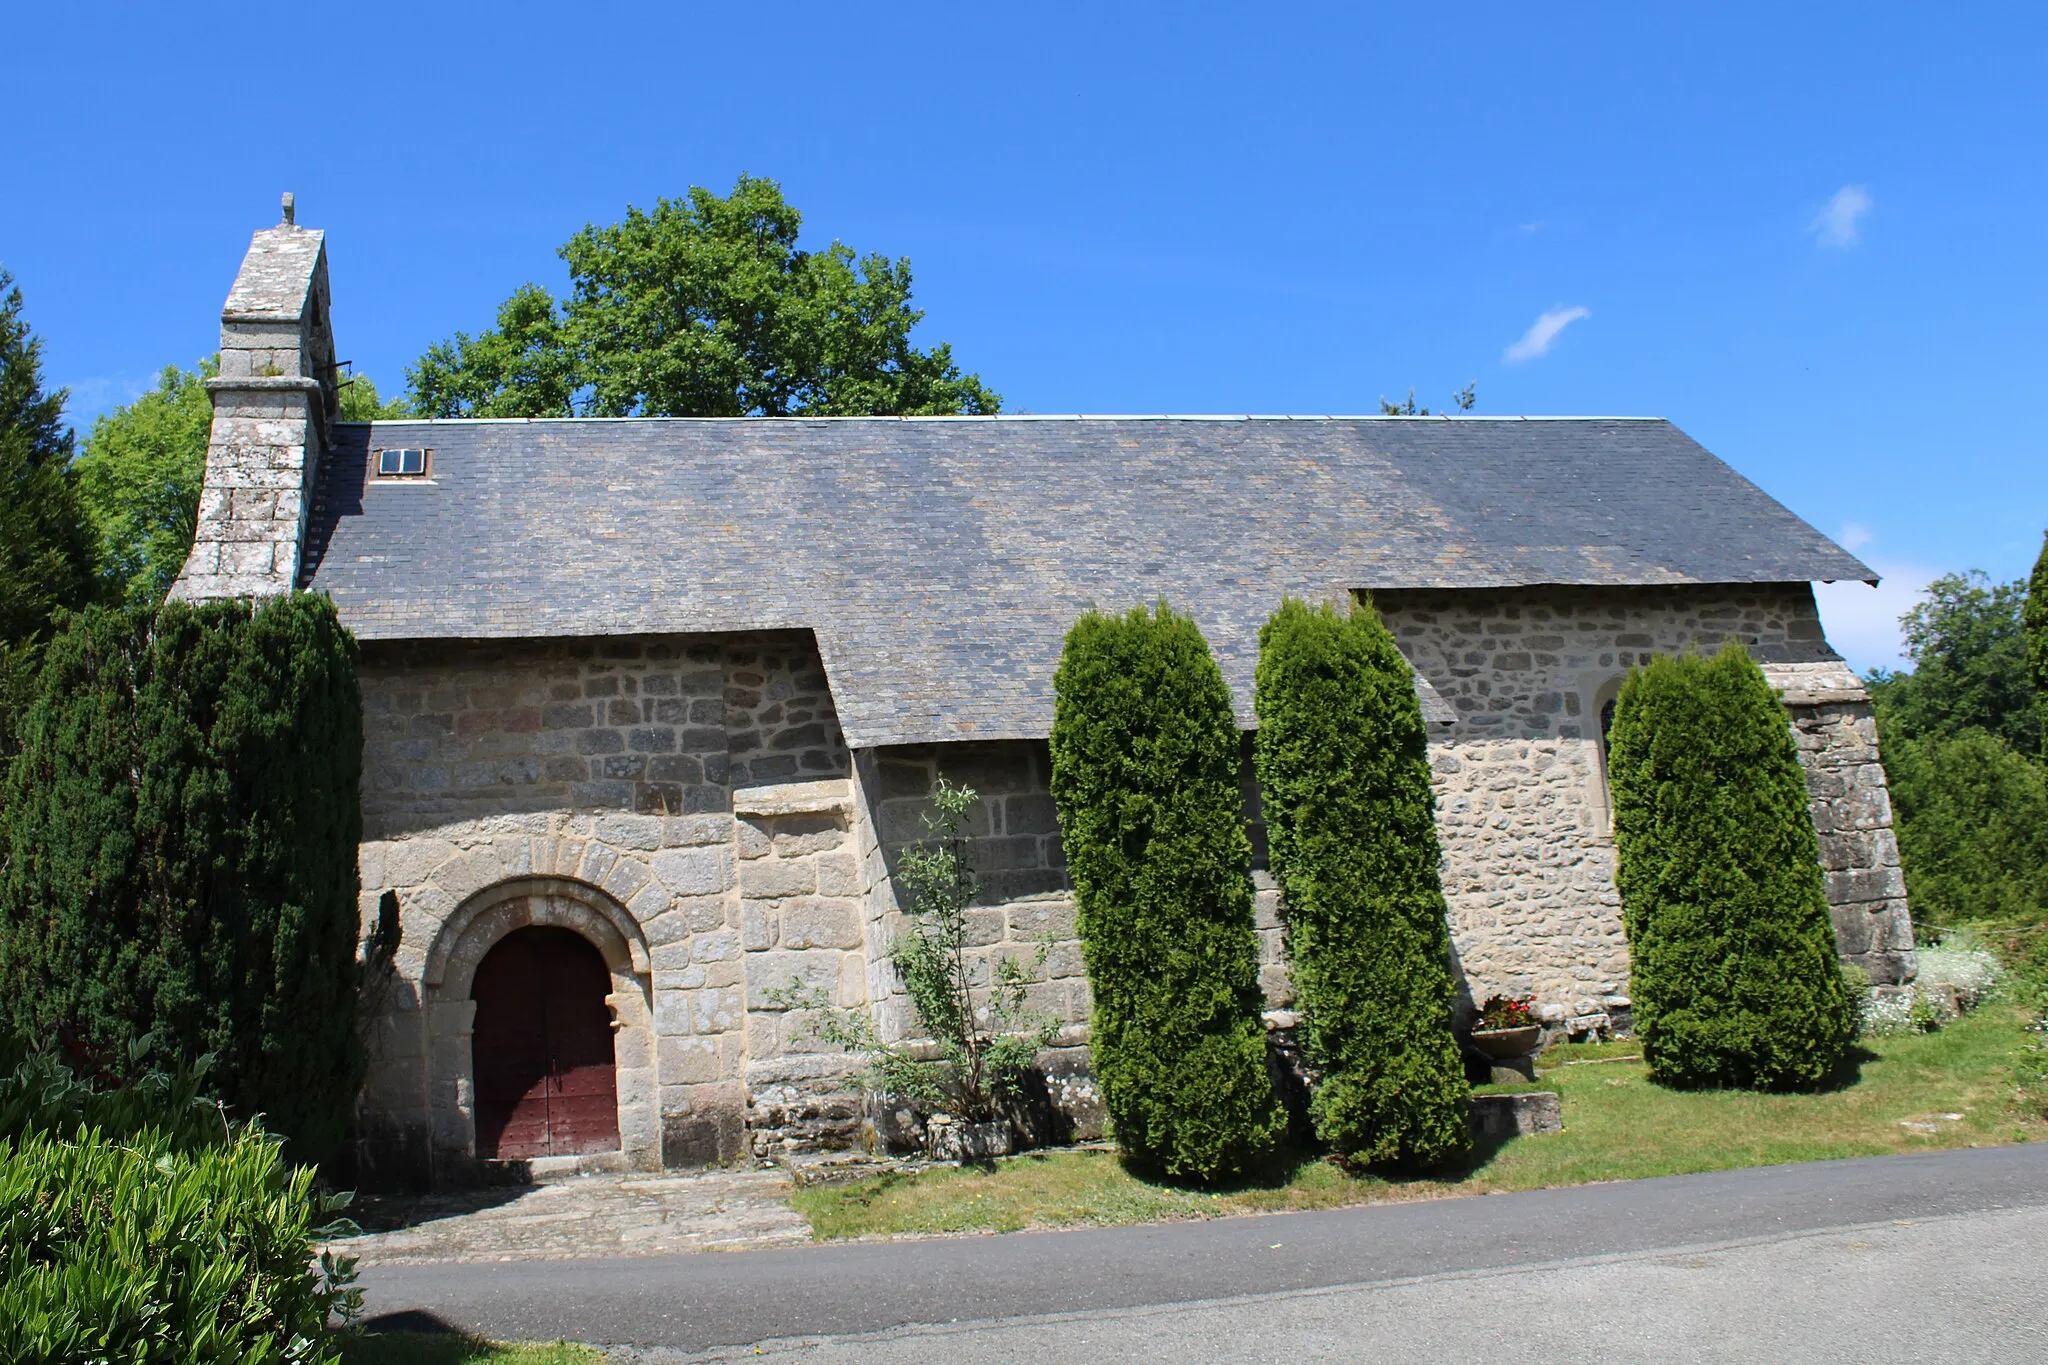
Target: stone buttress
[[274, 404]]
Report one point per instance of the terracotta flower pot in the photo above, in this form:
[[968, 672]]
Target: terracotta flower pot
[[1504, 1043]]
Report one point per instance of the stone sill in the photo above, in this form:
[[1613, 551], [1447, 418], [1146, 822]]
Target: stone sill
[[264, 383], [1837, 697], [925, 1050], [832, 797], [546, 1170]]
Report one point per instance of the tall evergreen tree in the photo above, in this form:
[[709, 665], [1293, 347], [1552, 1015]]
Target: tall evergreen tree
[[181, 827], [1344, 779], [2036, 617], [1732, 950], [46, 544], [1145, 775]]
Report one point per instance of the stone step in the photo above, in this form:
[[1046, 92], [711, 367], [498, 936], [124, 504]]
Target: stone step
[[1511, 1116]]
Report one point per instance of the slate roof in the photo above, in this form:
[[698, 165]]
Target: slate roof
[[941, 560]]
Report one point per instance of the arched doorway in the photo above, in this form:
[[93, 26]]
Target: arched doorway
[[542, 1055]]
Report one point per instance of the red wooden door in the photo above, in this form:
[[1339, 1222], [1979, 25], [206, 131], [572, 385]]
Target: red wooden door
[[546, 1084]]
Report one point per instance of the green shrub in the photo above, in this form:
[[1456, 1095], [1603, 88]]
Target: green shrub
[[1145, 776], [1972, 820], [974, 1012], [39, 1094], [1344, 778], [1734, 968], [136, 1225], [181, 828]]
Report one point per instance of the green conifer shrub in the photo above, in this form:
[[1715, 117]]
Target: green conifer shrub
[[46, 540], [1344, 778], [181, 828], [1733, 962], [1145, 778]]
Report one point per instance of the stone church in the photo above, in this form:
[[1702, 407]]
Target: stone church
[[651, 705]]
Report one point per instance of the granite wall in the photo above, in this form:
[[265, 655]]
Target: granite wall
[[688, 804], [636, 789], [1521, 789]]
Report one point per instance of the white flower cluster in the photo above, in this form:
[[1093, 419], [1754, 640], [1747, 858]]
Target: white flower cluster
[[1971, 972], [1955, 977], [1887, 1015]]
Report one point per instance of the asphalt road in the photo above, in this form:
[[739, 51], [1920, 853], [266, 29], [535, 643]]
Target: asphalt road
[[1689, 1267]]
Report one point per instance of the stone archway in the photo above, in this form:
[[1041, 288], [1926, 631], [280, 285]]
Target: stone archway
[[477, 926]]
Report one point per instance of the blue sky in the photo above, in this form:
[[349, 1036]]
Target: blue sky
[[1811, 235]]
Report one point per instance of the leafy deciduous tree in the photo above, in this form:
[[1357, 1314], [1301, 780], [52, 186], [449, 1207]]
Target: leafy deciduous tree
[[524, 367], [1972, 820], [140, 474], [1463, 400], [360, 402], [1968, 645], [703, 307]]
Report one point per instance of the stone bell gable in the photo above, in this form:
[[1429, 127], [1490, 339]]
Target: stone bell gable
[[653, 708], [274, 404]]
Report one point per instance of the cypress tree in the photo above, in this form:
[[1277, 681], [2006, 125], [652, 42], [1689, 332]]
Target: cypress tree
[[182, 823], [1145, 776], [1344, 777], [1734, 969], [46, 543]]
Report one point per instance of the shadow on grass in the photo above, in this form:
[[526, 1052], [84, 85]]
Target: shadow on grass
[[1288, 1165], [1849, 1071], [411, 1337], [1848, 1074]]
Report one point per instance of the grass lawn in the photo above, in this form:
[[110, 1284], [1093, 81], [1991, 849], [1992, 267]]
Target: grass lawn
[[1955, 1088], [413, 1348]]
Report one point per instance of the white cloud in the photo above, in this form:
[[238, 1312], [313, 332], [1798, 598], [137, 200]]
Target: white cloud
[[101, 394], [1835, 225], [1855, 535], [1542, 332], [1862, 622]]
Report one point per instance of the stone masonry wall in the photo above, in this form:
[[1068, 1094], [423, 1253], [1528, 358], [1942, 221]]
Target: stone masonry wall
[[1025, 899], [273, 402], [1520, 777], [624, 779], [688, 804], [801, 893], [1014, 841], [662, 725], [1836, 732]]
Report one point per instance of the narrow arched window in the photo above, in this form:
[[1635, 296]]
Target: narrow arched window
[[1603, 706]]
